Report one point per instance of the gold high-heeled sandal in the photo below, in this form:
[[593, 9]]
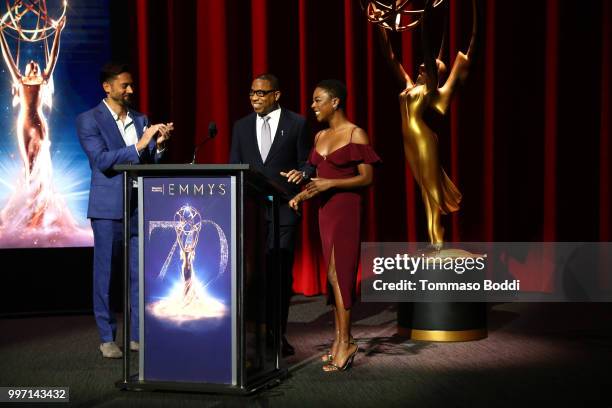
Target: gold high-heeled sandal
[[329, 357], [347, 364]]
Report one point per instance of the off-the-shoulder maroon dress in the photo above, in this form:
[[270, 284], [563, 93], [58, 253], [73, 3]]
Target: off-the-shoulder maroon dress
[[340, 213]]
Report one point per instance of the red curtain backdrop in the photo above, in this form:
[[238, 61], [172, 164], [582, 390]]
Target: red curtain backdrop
[[526, 141]]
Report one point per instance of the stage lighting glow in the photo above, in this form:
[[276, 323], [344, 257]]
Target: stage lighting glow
[[180, 307], [36, 214]]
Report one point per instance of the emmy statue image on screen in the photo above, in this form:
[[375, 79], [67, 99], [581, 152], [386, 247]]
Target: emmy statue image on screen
[[188, 298], [35, 214]]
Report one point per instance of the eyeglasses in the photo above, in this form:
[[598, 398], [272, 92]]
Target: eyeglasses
[[260, 92]]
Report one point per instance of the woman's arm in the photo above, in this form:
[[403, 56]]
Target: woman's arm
[[429, 59], [460, 68], [54, 49], [302, 196], [455, 78], [8, 59], [396, 66], [472, 47], [363, 179], [463, 61], [318, 185]]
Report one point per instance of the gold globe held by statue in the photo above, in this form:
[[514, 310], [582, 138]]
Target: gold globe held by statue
[[395, 15]]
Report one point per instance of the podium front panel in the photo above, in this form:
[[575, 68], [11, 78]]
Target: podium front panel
[[187, 279]]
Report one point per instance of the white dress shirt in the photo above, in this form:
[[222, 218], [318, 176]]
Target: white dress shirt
[[273, 121], [126, 127]]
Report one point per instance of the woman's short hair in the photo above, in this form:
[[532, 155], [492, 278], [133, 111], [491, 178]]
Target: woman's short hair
[[336, 89]]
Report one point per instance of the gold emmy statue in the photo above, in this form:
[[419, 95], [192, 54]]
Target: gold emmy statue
[[440, 196], [429, 321]]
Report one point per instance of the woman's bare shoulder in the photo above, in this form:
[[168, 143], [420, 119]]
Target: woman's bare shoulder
[[360, 136]]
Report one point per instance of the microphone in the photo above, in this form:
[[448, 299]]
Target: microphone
[[212, 132], [212, 129]]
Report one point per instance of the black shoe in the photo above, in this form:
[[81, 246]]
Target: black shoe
[[286, 348]]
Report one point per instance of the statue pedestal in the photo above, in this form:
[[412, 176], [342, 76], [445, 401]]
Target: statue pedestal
[[443, 321]]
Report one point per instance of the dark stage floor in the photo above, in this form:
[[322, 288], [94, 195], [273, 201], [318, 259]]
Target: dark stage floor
[[535, 355]]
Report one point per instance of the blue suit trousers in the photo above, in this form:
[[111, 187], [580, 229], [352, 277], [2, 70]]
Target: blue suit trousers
[[108, 262]]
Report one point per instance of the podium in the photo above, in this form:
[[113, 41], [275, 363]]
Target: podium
[[209, 278]]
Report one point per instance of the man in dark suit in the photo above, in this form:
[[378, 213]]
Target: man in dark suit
[[110, 134], [275, 142]]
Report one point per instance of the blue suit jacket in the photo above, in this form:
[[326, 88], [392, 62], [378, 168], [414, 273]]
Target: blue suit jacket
[[104, 146]]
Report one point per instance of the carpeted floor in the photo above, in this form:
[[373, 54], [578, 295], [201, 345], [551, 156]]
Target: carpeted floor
[[535, 355]]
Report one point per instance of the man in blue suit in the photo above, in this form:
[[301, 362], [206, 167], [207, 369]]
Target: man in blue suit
[[112, 133], [275, 142]]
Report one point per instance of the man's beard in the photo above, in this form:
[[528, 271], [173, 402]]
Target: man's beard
[[123, 101]]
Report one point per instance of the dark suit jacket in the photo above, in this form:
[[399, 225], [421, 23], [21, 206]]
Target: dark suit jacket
[[104, 146], [289, 150]]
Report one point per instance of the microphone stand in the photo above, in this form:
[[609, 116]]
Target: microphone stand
[[212, 131]]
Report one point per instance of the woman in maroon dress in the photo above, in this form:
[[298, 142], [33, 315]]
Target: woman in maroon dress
[[343, 159]]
